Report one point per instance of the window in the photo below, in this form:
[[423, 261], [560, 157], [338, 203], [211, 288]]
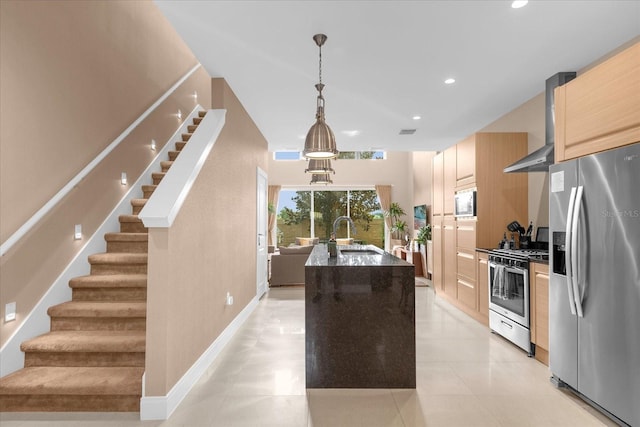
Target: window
[[312, 213], [287, 155], [347, 155], [361, 155]]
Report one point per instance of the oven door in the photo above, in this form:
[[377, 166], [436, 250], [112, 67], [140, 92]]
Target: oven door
[[509, 292]]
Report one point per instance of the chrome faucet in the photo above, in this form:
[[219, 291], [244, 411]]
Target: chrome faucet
[[340, 218]]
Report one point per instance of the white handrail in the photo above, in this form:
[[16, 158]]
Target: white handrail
[[24, 229], [165, 203]]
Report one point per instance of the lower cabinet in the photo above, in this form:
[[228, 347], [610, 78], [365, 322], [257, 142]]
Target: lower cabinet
[[483, 285], [539, 309]]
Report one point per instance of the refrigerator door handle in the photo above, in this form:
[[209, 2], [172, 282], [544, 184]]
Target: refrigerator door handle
[[569, 251], [574, 251]]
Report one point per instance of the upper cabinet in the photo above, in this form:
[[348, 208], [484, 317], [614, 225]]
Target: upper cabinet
[[466, 161], [449, 178], [599, 109], [437, 183]]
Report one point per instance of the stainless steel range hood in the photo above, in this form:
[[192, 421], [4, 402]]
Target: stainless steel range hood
[[539, 160]]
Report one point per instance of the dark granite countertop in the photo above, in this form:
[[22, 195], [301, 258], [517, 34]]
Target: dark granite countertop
[[353, 256]]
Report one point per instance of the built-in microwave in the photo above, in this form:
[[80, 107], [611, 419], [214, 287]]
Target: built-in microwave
[[465, 203]]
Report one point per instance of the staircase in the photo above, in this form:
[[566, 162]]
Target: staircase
[[93, 358]]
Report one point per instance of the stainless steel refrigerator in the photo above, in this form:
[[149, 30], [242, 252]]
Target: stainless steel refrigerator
[[594, 291]]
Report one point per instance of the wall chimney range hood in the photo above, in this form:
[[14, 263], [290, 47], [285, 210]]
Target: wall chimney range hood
[[539, 160]]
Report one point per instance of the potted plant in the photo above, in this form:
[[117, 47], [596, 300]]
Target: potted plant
[[398, 227], [424, 234]]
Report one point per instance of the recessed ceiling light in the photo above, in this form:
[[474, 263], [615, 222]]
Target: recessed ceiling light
[[417, 117], [517, 4], [351, 132], [450, 80]]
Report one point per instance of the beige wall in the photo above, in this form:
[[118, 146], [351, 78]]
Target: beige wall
[[395, 170], [208, 251], [73, 76], [422, 173], [529, 117]]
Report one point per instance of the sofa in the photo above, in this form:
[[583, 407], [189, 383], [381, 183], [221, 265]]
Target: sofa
[[287, 265]]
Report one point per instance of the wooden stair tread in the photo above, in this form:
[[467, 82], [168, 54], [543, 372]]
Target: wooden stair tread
[[138, 202], [87, 341], [126, 237], [129, 218], [109, 281], [98, 309], [118, 258], [57, 380]]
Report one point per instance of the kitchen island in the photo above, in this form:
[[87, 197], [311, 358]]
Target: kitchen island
[[359, 319]]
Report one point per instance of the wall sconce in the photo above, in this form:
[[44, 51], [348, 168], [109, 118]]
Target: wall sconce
[[153, 145], [195, 95], [77, 232], [123, 178], [179, 115]]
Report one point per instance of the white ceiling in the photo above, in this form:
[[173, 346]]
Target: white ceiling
[[385, 61]]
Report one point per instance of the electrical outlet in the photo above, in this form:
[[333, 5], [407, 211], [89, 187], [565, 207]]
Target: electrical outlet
[[10, 312]]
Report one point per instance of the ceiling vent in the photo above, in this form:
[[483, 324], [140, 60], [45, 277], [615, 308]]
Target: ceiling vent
[[407, 131]]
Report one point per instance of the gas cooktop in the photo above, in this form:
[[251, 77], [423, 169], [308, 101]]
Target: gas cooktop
[[535, 254]]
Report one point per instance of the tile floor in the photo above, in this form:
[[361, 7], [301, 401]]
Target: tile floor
[[466, 376]]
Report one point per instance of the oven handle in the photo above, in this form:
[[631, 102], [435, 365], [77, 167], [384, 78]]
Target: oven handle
[[569, 250]]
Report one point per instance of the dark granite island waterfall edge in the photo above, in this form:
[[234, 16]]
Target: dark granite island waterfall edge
[[359, 319]]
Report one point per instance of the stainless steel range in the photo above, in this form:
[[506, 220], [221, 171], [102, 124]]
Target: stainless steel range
[[509, 294]]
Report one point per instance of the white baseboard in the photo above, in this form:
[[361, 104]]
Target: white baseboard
[[37, 322], [161, 407]]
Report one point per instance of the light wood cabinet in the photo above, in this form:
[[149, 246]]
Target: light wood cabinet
[[599, 109], [437, 275], [449, 179], [466, 162], [449, 261], [437, 184], [477, 161], [539, 309], [483, 285], [466, 257]]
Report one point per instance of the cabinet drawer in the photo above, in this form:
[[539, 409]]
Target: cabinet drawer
[[466, 234], [466, 264], [467, 292]]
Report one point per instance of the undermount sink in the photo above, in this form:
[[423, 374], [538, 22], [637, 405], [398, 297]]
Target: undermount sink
[[358, 252]]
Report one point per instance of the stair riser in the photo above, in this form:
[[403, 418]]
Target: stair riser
[[157, 179], [132, 227], [129, 247], [197, 120], [192, 128], [98, 324], [69, 403], [180, 145], [173, 155], [110, 294], [135, 210], [186, 136], [104, 269], [148, 193], [102, 359]]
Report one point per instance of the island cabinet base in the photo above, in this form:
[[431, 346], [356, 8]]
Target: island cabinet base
[[360, 326]]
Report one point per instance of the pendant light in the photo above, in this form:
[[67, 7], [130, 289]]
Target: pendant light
[[320, 142], [321, 178], [319, 166]]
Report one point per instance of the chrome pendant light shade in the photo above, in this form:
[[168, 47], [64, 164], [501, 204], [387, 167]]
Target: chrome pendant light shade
[[321, 178], [320, 142], [319, 166]]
